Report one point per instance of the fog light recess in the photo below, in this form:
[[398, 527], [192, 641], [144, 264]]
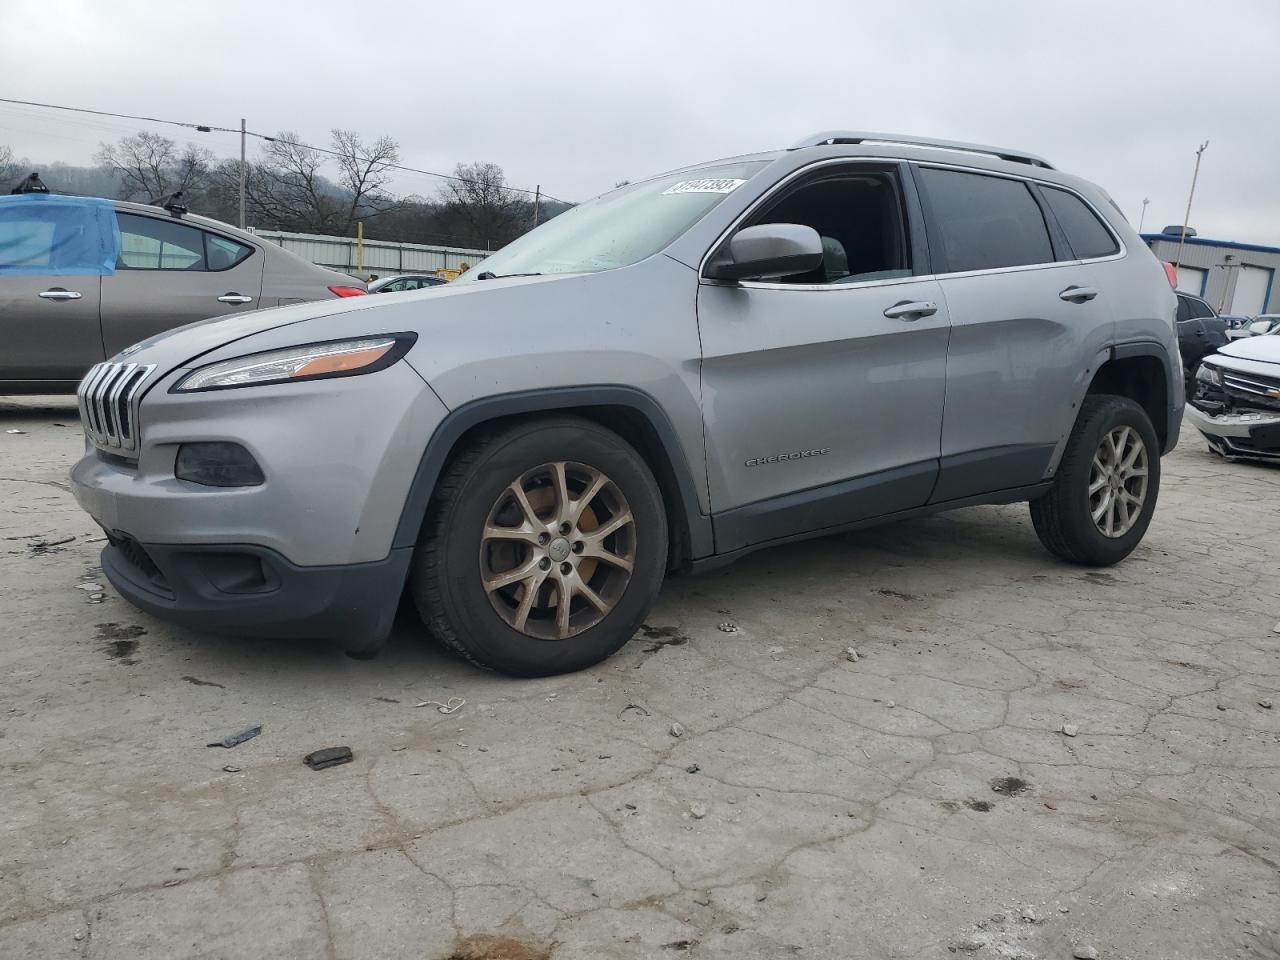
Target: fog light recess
[[217, 465]]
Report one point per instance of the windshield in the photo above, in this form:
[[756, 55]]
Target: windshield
[[620, 227]]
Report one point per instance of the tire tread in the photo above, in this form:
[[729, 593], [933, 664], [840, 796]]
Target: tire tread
[[1052, 514]]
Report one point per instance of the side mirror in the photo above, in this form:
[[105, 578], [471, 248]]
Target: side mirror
[[767, 250]]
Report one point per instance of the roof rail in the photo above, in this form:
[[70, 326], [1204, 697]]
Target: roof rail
[[855, 136]]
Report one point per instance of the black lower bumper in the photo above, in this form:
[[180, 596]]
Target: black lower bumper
[[253, 591]]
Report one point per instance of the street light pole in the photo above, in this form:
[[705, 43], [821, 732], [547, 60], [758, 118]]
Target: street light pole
[[1186, 218], [242, 132], [1143, 218]]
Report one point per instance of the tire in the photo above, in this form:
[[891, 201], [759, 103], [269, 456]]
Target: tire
[[1063, 517], [474, 497]]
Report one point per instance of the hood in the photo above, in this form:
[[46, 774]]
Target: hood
[[326, 320], [1265, 349]]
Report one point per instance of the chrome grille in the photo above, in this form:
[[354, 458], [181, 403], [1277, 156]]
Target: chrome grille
[[108, 410], [1251, 383]]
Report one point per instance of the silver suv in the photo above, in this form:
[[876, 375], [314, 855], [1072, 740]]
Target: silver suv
[[853, 330]]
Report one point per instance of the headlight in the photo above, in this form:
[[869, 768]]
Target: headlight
[[312, 361], [1209, 374]]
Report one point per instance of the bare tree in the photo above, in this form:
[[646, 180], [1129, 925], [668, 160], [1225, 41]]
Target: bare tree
[[479, 203], [9, 169], [287, 187], [151, 166], [364, 171]]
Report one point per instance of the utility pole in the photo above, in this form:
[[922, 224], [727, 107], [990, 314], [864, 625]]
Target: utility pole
[[537, 201], [1143, 219], [242, 132], [1186, 219]]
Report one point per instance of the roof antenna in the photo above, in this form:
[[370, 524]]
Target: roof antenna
[[31, 184], [173, 203]]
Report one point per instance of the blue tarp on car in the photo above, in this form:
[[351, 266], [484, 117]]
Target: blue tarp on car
[[44, 235]]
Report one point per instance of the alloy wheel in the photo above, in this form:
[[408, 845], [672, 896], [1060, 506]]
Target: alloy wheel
[[557, 550], [1118, 482]]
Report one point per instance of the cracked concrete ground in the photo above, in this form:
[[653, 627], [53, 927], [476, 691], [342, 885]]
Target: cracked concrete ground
[[919, 803]]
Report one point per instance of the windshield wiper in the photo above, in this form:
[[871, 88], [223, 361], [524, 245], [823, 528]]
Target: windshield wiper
[[490, 275]]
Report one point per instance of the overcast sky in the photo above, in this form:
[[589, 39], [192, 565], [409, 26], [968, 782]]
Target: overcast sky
[[575, 96]]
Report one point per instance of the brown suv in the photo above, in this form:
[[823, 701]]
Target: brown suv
[[60, 314]]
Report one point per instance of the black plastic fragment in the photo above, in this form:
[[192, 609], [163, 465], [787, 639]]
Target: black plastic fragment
[[328, 757]]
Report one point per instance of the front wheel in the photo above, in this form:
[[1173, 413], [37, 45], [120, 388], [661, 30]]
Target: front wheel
[[1105, 490], [544, 548]]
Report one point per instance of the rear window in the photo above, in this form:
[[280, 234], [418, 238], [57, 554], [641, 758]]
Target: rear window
[[1087, 235], [986, 222]]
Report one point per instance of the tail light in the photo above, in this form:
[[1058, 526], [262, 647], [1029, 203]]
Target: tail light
[[361, 291], [1169, 272]]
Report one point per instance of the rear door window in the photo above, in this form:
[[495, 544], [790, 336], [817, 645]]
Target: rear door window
[[1088, 236], [147, 243], [985, 222]]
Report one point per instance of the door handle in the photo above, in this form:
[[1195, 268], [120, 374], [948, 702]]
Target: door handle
[[911, 310], [57, 293], [234, 298], [1074, 294]]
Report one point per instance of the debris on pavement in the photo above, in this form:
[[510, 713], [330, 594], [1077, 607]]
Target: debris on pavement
[[697, 810], [231, 768], [89, 586], [851, 654], [41, 547], [677, 729], [196, 681], [638, 708], [662, 637], [1069, 729], [1085, 952], [453, 705], [15, 431], [235, 739], [1265, 703], [328, 757], [692, 768], [890, 704], [727, 627]]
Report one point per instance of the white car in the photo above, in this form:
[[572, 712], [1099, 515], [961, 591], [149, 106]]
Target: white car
[[1237, 399], [1259, 326]]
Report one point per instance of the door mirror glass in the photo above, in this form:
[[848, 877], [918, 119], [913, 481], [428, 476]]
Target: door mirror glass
[[766, 251]]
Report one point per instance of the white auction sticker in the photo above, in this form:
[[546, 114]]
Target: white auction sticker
[[721, 185]]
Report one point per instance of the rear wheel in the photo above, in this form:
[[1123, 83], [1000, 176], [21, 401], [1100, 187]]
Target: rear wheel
[[1105, 490], [544, 548]]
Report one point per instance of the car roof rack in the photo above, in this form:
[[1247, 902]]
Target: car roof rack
[[856, 136]]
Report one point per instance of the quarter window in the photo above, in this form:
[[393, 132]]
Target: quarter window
[[223, 254], [1087, 235], [986, 223]]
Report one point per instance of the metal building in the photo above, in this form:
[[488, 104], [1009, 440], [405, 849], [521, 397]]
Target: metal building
[[1235, 278], [379, 256]]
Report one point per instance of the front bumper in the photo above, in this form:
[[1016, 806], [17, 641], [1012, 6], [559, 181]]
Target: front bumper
[[1253, 434], [309, 552], [252, 591]]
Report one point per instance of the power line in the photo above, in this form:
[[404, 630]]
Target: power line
[[212, 128]]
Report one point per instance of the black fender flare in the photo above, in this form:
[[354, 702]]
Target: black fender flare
[[1172, 381], [458, 421]]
